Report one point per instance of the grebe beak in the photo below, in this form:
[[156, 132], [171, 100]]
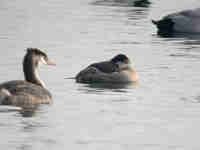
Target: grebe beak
[[47, 62], [50, 62]]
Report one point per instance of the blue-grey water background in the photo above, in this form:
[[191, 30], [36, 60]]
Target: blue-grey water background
[[162, 111]]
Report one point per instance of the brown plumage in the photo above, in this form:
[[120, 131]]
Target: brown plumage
[[30, 91]]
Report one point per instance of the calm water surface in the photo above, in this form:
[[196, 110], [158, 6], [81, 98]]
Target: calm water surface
[[162, 111]]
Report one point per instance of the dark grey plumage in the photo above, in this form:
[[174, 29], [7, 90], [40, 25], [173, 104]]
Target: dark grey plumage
[[106, 71], [186, 21], [165, 26], [111, 65]]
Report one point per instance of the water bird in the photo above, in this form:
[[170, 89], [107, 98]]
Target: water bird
[[32, 90], [116, 70], [186, 21]]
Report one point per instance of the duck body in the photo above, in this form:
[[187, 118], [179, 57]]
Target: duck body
[[186, 21], [30, 91], [117, 70], [93, 75]]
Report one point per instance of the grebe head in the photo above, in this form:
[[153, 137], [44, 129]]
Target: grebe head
[[38, 57], [121, 60], [32, 59]]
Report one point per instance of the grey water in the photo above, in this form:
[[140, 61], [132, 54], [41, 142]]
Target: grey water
[[161, 111]]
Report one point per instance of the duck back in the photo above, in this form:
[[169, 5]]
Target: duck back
[[105, 66]]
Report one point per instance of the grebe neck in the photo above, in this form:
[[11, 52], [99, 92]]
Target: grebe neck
[[30, 68]]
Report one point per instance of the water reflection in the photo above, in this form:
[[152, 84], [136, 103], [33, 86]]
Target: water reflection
[[185, 55], [25, 111], [25, 146], [138, 9], [182, 36], [31, 127], [185, 45], [137, 13], [9, 109], [189, 40], [98, 88], [28, 111], [123, 3], [142, 3]]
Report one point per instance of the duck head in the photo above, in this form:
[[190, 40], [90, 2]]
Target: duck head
[[122, 61]]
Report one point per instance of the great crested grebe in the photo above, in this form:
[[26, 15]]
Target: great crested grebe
[[186, 21], [116, 70], [32, 90]]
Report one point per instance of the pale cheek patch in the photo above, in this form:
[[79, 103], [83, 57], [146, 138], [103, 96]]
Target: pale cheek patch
[[42, 60], [122, 65]]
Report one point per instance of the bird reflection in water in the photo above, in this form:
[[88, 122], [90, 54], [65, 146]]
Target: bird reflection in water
[[104, 87], [28, 111], [125, 3], [24, 111]]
